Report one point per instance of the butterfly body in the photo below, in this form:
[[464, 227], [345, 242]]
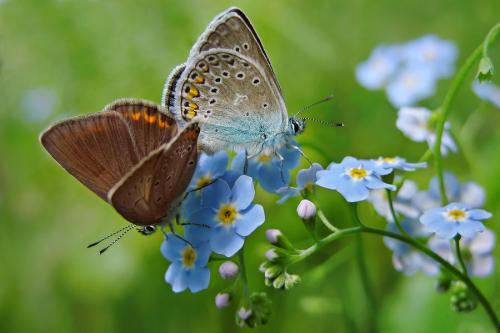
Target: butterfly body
[[229, 87], [131, 155]]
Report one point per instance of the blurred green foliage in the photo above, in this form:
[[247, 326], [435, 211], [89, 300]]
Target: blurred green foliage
[[83, 54]]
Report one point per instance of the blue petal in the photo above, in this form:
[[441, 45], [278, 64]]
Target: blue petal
[[479, 214], [249, 220], [202, 253], [469, 228], [215, 194], [308, 176], [197, 233], [431, 216], [287, 192], [375, 183], [239, 163], [203, 216], [446, 229], [243, 192], [230, 177], [191, 204], [328, 179], [198, 279], [214, 165], [176, 277], [225, 241], [270, 178], [291, 156], [172, 248], [353, 191], [350, 162]]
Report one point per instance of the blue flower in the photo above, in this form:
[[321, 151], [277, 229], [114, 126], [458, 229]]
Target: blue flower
[[379, 68], [433, 53], [453, 219], [398, 163], [188, 268], [353, 178], [306, 179], [469, 193], [477, 252], [411, 85], [229, 214], [403, 202], [487, 91], [415, 123], [405, 258], [266, 169]]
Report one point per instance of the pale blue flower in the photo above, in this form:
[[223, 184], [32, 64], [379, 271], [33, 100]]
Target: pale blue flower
[[267, 169], [398, 163], [188, 268], [477, 252], [403, 202], [431, 52], [306, 179], [414, 123], [405, 258], [453, 219], [353, 178], [487, 91], [411, 85], [229, 214], [379, 68]]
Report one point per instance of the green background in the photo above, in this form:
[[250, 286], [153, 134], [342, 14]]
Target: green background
[[86, 53]]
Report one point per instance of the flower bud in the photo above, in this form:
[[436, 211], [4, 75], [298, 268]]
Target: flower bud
[[291, 280], [462, 300], [244, 313], [279, 281], [255, 312], [306, 210], [271, 255], [276, 237], [228, 270], [485, 71], [222, 300], [273, 271]]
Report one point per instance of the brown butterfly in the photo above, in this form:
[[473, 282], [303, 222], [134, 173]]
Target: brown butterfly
[[132, 155]]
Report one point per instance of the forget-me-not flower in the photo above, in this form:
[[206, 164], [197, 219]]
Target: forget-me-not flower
[[403, 202], [375, 72], [487, 91], [398, 163], [411, 85], [229, 214], [453, 219], [414, 122], [268, 169], [306, 179], [477, 252], [405, 258], [353, 178], [188, 268]]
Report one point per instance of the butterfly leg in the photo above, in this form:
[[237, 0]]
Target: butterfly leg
[[301, 153], [172, 231], [282, 167], [245, 165]]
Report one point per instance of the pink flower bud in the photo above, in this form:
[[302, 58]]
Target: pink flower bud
[[228, 270], [272, 235], [306, 210], [222, 300]]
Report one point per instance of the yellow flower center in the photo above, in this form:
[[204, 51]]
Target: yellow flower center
[[357, 173], [390, 160], [188, 257], [203, 181], [457, 215], [227, 214], [265, 158]]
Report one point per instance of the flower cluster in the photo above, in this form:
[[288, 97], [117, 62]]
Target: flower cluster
[[408, 72]]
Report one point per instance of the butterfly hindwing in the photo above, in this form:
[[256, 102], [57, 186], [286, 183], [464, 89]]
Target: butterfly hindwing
[[152, 189], [150, 127], [97, 149]]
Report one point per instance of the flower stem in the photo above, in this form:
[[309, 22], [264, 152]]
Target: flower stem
[[456, 240], [445, 108], [394, 214], [325, 221], [243, 273]]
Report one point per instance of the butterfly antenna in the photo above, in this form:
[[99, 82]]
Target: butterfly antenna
[[116, 239], [108, 236], [324, 122], [307, 107]]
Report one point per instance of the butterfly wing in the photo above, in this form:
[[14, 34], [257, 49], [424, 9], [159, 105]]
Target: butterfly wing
[[229, 86], [150, 127], [96, 149], [152, 189]]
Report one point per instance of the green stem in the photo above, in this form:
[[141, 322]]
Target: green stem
[[456, 240], [325, 221], [445, 108], [394, 214], [243, 273]]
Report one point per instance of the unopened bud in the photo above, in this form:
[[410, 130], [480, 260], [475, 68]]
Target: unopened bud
[[222, 300], [278, 239], [228, 270], [271, 255], [273, 271], [485, 71], [306, 210], [244, 313]]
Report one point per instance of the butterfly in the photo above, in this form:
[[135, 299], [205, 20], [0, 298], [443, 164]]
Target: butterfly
[[131, 155], [228, 85]]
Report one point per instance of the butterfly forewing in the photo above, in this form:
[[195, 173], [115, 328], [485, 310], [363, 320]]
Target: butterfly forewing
[[97, 149], [154, 187], [149, 126]]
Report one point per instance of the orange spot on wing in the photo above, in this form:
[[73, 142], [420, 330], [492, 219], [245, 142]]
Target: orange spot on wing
[[199, 79], [149, 118], [136, 116]]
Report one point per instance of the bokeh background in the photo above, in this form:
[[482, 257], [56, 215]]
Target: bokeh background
[[61, 58]]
